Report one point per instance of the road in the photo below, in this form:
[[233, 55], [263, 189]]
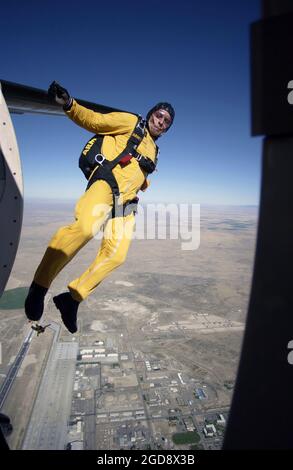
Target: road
[[12, 373]]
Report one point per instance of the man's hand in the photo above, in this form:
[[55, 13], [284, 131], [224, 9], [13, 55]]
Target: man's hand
[[59, 94]]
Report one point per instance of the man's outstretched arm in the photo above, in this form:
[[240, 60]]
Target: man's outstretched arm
[[98, 123]]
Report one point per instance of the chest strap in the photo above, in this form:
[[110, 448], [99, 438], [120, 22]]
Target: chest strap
[[105, 167]]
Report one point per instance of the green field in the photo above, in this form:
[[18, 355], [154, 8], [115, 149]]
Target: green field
[[190, 437], [13, 299]]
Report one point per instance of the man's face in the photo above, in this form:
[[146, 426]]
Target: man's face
[[159, 122]]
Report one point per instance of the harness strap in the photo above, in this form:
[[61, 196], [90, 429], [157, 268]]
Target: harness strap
[[105, 167], [132, 143], [122, 210]]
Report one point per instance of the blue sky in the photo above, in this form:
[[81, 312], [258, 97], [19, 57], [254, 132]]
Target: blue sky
[[131, 55]]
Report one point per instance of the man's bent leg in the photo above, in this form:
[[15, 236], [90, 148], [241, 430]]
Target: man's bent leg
[[113, 251], [90, 213]]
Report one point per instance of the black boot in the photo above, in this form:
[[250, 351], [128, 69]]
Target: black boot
[[34, 302], [68, 308]]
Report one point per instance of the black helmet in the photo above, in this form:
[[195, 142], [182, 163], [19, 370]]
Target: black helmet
[[166, 106]]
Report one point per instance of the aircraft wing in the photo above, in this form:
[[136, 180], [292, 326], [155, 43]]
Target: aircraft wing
[[22, 99]]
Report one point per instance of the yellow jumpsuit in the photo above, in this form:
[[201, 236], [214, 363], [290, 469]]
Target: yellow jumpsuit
[[93, 207]]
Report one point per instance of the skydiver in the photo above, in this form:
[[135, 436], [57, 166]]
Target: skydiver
[[130, 176], [40, 328]]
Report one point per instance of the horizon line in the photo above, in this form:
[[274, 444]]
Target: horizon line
[[70, 201]]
